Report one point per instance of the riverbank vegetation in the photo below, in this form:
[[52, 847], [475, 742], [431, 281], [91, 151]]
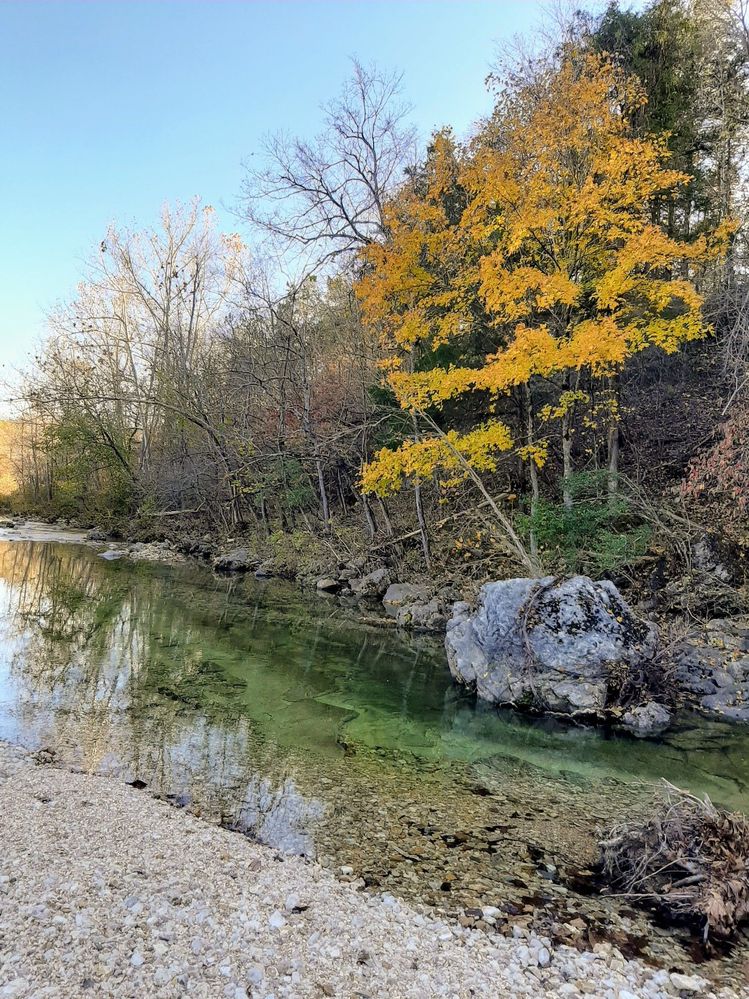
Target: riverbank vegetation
[[519, 350]]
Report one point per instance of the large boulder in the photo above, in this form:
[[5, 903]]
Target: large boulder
[[562, 646]]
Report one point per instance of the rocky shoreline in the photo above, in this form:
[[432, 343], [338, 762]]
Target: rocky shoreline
[[708, 668], [108, 891]]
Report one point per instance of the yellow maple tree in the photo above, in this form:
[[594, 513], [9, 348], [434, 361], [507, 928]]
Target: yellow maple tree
[[532, 254]]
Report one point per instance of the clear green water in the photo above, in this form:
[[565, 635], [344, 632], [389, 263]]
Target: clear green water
[[157, 654], [281, 713]]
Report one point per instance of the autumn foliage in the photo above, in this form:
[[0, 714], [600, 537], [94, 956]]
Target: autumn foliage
[[531, 256]]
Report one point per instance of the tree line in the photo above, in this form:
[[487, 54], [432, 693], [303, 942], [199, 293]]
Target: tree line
[[485, 349]]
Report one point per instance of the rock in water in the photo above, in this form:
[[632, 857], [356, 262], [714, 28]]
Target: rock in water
[[112, 555], [647, 720], [564, 646], [412, 607], [236, 560]]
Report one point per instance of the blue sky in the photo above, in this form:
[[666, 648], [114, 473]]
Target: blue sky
[[110, 109]]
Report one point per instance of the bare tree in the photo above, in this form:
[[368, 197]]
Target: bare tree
[[327, 195]]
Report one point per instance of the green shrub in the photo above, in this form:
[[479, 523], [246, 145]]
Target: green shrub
[[599, 534]]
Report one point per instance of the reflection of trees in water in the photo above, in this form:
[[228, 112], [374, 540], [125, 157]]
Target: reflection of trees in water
[[197, 686], [115, 669], [279, 815]]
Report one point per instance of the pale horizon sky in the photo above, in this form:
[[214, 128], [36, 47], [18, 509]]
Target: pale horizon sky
[[114, 108]]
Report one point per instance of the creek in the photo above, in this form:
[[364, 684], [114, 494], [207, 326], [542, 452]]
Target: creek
[[281, 714]]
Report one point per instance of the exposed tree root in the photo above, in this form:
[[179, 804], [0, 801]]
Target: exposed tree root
[[690, 860]]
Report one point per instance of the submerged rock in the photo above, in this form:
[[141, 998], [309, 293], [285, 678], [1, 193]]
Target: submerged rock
[[563, 646]]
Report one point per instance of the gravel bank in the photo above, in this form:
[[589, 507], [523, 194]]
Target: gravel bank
[[105, 891]]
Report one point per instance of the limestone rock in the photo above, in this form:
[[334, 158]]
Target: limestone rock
[[427, 616], [687, 983], [112, 555], [373, 585], [560, 646], [402, 594], [328, 585], [236, 560], [713, 668], [647, 720]]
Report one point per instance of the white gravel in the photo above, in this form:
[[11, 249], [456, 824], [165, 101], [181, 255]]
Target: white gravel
[[105, 891]]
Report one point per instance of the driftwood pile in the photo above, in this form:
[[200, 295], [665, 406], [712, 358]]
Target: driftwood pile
[[689, 860]]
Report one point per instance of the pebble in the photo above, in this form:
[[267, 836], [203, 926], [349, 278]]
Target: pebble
[[167, 905], [687, 983]]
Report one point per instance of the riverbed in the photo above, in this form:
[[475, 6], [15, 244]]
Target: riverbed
[[283, 716]]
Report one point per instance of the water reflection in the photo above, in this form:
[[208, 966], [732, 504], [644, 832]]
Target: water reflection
[[279, 816], [189, 681]]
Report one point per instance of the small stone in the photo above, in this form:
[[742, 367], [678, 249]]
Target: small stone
[[543, 957], [687, 983], [255, 974], [137, 960]]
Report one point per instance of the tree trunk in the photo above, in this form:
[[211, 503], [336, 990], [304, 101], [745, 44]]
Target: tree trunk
[[369, 514], [386, 518], [264, 515], [567, 467], [323, 496], [613, 440], [422, 527], [420, 508], [532, 467]]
